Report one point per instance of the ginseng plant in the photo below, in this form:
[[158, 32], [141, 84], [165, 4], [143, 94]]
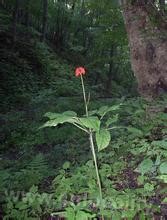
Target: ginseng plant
[[91, 124]]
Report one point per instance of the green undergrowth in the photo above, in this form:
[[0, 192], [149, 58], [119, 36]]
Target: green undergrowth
[[52, 173]]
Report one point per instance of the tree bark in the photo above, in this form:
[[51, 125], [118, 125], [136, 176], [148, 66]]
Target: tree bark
[[45, 18], [147, 34]]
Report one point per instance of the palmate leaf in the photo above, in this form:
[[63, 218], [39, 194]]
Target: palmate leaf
[[103, 138], [70, 113], [57, 118], [105, 109], [90, 122], [62, 119], [52, 115]]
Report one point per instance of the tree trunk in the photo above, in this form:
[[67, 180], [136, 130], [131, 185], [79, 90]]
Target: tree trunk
[[15, 20], [147, 33], [45, 18]]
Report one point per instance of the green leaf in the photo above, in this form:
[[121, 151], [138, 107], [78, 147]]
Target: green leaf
[[62, 118], [70, 213], [105, 109], [158, 160], [70, 113], [160, 144], [116, 215], [140, 180], [135, 131], [93, 112], [115, 107], [163, 177], [51, 115], [81, 215], [21, 206], [165, 200], [148, 187], [142, 216], [90, 122], [34, 189], [129, 214], [66, 165], [103, 138], [163, 168], [112, 120], [145, 166]]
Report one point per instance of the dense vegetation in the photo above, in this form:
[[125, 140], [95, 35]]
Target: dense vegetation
[[46, 167]]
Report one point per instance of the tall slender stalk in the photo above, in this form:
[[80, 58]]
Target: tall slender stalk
[[92, 145], [96, 166], [84, 96]]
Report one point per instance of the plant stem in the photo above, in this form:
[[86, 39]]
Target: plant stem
[[92, 145], [80, 128], [84, 96], [96, 166]]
